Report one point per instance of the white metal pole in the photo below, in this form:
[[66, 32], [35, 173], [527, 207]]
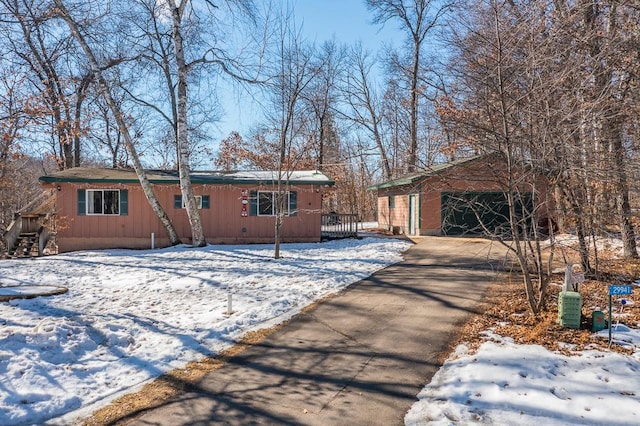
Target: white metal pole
[[229, 303], [153, 240]]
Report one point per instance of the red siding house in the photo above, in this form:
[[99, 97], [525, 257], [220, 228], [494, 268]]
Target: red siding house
[[106, 208]]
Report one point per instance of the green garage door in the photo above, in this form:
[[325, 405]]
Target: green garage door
[[469, 213]]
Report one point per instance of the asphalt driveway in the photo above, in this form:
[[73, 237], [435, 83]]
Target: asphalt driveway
[[359, 358]]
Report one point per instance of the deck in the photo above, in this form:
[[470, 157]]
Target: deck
[[336, 226]]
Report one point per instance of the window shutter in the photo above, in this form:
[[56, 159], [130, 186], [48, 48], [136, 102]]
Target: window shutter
[[293, 203], [205, 201], [124, 202], [177, 201], [253, 203], [82, 202]]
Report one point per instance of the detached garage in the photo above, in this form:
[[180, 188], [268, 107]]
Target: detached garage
[[464, 197]]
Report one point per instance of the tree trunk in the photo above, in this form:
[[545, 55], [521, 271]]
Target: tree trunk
[[623, 208], [280, 193], [115, 110], [182, 140], [611, 118], [280, 212], [413, 130]]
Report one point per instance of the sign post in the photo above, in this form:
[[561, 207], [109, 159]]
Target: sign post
[[616, 290]]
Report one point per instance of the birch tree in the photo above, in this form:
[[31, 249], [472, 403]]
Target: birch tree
[[183, 44], [105, 91], [177, 11]]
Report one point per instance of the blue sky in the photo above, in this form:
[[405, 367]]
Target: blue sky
[[348, 21]]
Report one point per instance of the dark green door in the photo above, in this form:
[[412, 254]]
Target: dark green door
[[480, 213]]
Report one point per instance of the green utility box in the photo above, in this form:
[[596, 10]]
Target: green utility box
[[597, 321], [569, 309]]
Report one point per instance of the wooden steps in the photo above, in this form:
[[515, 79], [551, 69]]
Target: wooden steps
[[26, 246]]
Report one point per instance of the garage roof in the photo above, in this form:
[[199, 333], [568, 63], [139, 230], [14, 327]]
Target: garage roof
[[96, 175], [411, 178]]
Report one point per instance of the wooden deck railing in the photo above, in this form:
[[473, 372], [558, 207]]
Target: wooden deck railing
[[335, 226], [28, 224], [12, 233]]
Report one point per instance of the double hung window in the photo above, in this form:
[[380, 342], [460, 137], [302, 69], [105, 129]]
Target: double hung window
[[264, 203]]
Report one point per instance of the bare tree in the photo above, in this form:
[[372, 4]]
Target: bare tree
[[104, 89], [395, 121], [14, 118], [504, 112], [548, 86], [293, 71], [177, 12], [105, 134], [418, 18], [365, 105], [60, 85], [605, 34], [322, 99], [182, 47]]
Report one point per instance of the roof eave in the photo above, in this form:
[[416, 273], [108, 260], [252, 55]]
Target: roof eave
[[427, 174], [199, 180], [395, 183]]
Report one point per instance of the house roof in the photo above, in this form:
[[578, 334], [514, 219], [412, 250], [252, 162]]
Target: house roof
[[411, 178], [95, 175]]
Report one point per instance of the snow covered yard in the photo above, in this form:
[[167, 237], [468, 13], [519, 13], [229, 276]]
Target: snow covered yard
[[130, 316], [508, 384], [504, 383]]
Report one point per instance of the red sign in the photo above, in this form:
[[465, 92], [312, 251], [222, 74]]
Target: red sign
[[245, 201]]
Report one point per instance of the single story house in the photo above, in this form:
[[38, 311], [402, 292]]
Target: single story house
[[106, 208], [462, 197]]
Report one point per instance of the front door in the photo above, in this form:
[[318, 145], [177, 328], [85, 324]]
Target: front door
[[414, 215]]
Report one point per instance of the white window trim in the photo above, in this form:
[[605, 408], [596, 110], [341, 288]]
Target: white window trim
[[198, 202], [87, 204], [273, 204]]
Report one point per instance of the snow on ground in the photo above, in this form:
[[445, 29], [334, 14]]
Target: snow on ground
[[608, 243], [508, 384], [130, 316]]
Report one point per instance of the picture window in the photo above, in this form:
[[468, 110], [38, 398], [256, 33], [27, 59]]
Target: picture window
[[103, 202]]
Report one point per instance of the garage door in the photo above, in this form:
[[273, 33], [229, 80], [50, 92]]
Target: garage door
[[469, 213]]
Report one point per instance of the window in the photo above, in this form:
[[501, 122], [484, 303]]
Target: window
[[266, 204], [263, 203], [202, 202], [98, 202], [392, 201], [198, 202], [103, 201]]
